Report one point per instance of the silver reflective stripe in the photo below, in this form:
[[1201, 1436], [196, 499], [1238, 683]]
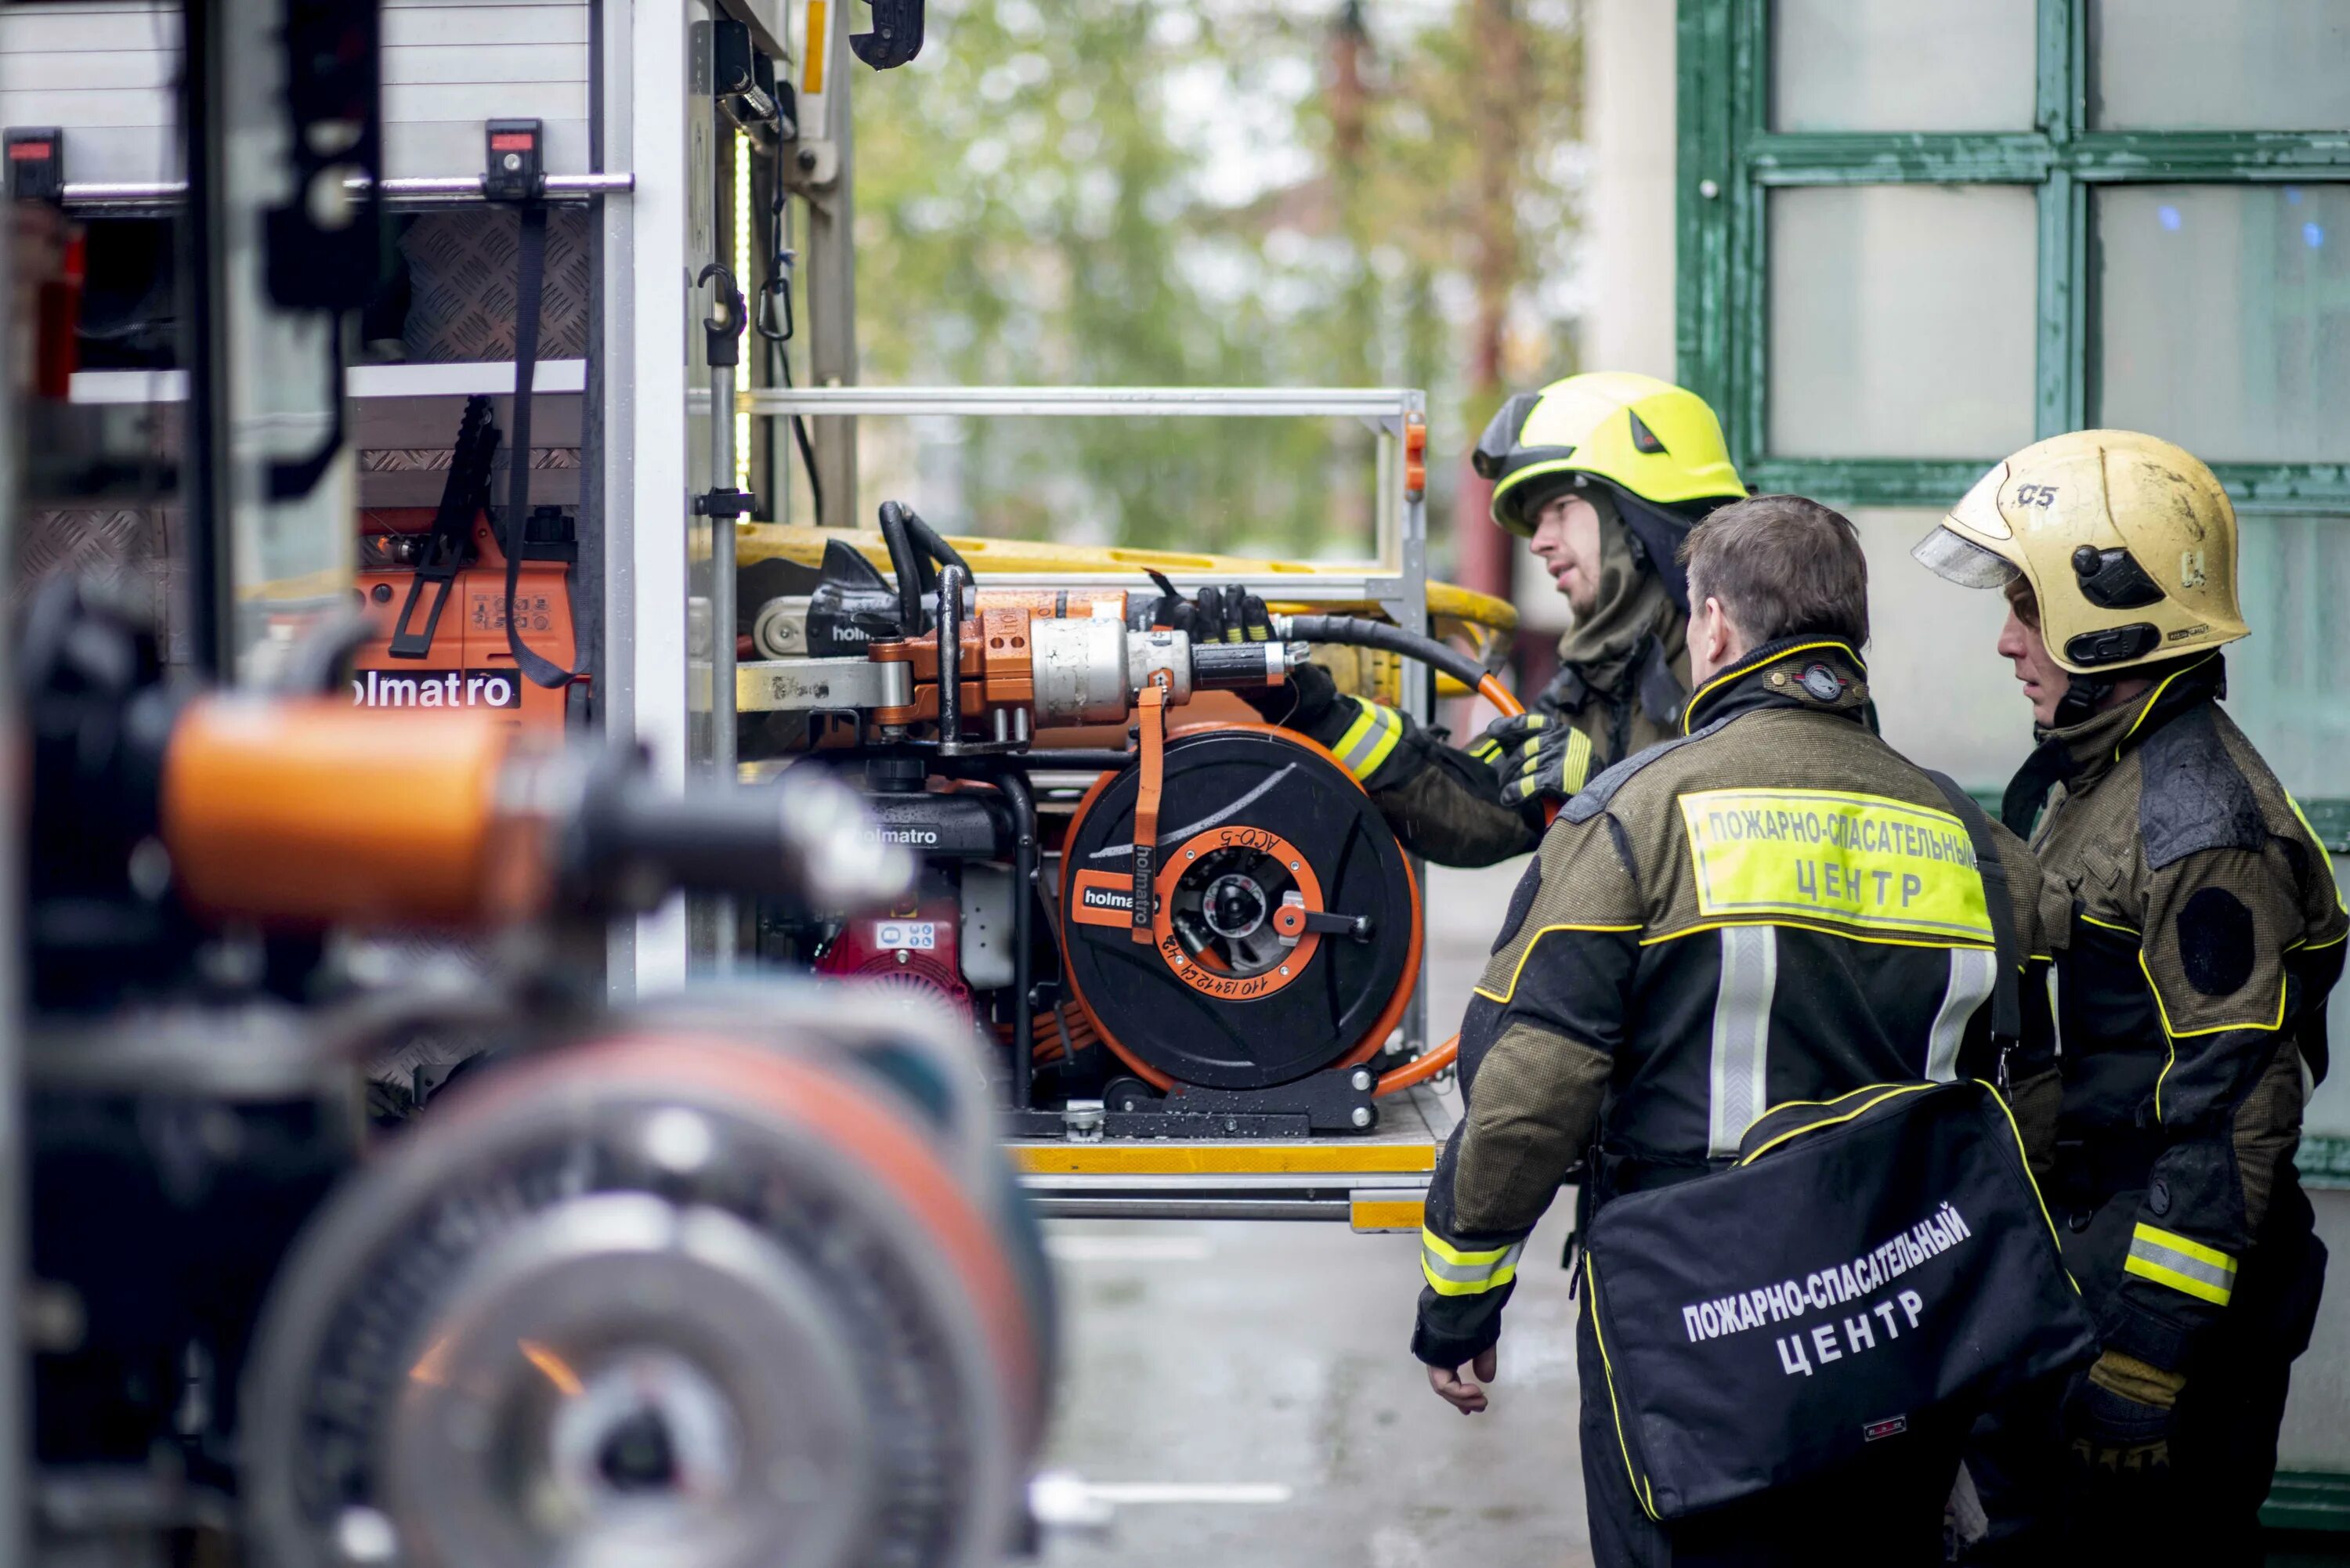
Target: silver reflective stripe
[[2183, 1264], [2056, 1016], [1741, 1033], [1469, 1273], [1368, 740], [1973, 972]]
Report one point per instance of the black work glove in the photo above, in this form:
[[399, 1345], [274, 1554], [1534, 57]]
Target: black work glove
[[1308, 704], [1235, 615], [1215, 615], [1535, 758], [2118, 1425]]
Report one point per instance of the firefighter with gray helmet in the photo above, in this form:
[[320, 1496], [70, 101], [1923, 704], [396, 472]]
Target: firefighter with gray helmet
[[1604, 474], [1657, 989], [2200, 931]]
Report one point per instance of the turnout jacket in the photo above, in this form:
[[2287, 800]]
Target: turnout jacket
[[1445, 804], [2205, 930], [1773, 906]]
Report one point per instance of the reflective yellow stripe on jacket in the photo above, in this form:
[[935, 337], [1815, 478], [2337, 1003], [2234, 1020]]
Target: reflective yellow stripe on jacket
[[1450, 1272], [2170, 1259], [1369, 739]]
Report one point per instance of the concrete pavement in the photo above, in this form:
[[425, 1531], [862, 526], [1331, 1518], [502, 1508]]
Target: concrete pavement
[[1256, 1378]]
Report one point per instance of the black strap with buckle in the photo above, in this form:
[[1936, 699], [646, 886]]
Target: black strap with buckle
[[527, 195], [447, 547]]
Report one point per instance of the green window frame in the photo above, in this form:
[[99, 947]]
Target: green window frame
[[1729, 161]]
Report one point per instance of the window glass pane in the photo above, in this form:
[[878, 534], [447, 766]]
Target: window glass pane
[[2225, 318], [2284, 681], [1901, 320], [2181, 65], [1945, 699], [1898, 65]]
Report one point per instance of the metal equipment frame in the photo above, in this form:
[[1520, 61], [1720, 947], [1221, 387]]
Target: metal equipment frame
[[1374, 1183]]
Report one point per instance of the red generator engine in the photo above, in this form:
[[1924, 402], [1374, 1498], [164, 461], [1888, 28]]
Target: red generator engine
[[953, 937], [914, 947]]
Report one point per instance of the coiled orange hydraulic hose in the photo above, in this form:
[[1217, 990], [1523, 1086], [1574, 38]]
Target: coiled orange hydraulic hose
[[1428, 1063]]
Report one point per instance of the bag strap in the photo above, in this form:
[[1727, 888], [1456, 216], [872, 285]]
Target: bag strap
[[530, 272], [2006, 999]]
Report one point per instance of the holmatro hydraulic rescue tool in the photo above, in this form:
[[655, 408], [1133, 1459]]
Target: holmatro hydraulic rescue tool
[[1235, 931]]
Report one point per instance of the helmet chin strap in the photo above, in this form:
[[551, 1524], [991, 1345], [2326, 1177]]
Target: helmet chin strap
[[2083, 694]]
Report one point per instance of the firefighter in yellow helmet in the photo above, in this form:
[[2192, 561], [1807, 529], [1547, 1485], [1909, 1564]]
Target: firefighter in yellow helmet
[[1604, 474], [2200, 931]]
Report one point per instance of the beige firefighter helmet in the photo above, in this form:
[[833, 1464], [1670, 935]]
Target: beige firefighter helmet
[[2128, 543]]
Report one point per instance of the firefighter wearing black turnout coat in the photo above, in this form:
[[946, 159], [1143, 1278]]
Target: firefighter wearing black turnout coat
[[1603, 473], [2205, 930], [1657, 987]]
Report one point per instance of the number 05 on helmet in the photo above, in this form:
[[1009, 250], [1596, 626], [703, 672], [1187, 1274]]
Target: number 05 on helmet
[[2127, 542]]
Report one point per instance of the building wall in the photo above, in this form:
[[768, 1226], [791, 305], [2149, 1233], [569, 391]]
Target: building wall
[[1627, 217]]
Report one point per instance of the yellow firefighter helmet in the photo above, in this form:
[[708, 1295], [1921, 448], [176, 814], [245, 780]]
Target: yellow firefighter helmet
[[1646, 438], [2127, 541]]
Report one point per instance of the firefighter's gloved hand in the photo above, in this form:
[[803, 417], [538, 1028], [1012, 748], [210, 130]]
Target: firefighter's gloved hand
[[1229, 615], [1362, 734], [1214, 615], [1309, 703], [2118, 1423], [1535, 758], [1497, 748]]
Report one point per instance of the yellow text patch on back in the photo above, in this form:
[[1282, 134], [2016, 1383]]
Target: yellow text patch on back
[[1862, 861]]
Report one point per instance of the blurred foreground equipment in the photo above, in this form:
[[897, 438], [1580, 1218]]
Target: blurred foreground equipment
[[733, 1275]]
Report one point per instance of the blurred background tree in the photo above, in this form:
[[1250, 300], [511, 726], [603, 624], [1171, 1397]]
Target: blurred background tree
[[1212, 193]]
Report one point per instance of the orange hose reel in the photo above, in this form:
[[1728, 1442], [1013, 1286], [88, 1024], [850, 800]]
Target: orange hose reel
[[1102, 897]]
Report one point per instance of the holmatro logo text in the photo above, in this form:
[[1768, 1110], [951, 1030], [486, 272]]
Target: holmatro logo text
[[443, 689]]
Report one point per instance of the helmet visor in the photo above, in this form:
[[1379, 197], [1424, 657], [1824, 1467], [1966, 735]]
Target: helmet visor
[[1499, 442], [1962, 561]]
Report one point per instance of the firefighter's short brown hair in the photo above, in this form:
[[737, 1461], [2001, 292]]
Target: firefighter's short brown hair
[[1782, 567]]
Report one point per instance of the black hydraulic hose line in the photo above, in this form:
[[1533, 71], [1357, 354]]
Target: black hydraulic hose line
[[777, 288], [917, 552], [782, 361], [1024, 893], [1356, 632], [903, 561], [932, 544]]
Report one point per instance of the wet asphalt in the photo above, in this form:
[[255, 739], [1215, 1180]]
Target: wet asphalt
[[1247, 1390]]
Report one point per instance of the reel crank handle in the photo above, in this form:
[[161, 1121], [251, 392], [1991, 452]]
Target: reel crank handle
[[1355, 928]]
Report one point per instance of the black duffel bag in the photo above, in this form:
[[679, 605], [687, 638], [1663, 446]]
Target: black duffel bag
[[1869, 1264]]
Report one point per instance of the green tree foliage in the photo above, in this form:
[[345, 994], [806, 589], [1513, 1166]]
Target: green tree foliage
[[1194, 192]]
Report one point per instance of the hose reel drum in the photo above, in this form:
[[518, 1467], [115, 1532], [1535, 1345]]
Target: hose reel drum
[[1285, 936]]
